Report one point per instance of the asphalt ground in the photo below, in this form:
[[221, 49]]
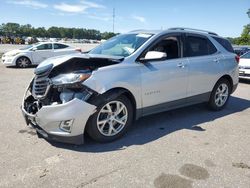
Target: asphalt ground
[[188, 147]]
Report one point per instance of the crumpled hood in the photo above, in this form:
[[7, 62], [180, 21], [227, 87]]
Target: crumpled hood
[[61, 59], [77, 61], [55, 60]]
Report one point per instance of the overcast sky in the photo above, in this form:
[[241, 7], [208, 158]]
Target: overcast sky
[[226, 17]]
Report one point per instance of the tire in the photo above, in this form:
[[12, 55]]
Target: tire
[[23, 62], [106, 124], [220, 95]]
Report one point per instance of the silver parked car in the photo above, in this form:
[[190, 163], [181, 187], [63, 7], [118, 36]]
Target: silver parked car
[[127, 77]]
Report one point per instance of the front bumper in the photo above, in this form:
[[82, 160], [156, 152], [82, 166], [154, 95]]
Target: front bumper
[[8, 60], [48, 118], [244, 74]]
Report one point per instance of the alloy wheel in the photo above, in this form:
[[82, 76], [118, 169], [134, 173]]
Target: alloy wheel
[[23, 62], [112, 118], [221, 95]]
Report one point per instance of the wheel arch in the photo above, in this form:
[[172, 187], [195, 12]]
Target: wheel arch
[[25, 57], [117, 91], [229, 79], [110, 94]]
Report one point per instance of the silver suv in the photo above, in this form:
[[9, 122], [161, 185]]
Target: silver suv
[[129, 76]]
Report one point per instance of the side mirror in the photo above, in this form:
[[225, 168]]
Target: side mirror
[[34, 49], [154, 56]]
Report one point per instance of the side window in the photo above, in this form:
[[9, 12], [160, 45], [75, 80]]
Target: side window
[[225, 43], [169, 45], [198, 46], [59, 46], [45, 47]]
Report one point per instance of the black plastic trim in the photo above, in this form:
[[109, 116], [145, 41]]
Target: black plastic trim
[[174, 104], [234, 87]]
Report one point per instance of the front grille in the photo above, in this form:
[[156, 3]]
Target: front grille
[[41, 85]]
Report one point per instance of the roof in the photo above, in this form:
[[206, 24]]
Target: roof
[[179, 29]]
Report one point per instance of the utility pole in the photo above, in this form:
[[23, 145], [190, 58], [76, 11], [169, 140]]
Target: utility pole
[[113, 20]]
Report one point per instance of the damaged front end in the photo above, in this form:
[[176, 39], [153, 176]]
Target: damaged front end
[[57, 103]]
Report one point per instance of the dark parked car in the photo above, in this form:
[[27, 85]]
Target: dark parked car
[[241, 50]]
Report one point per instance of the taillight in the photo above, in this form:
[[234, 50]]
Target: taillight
[[237, 58], [78, 49]]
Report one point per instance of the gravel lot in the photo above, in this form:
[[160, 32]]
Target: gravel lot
[[189, 147]]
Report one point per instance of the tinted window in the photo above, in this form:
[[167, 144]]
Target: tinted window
[[44, 47], [246, 55], [60, 46], [168, 45], [198, 46], [225, 43], [240, 51]]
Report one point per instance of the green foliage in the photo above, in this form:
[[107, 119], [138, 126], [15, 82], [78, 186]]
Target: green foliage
[[245, 36], [244, 39], [107, 35], [14, 29]]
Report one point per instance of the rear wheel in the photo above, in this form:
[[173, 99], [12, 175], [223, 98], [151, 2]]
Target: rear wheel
[[23, 62], [220, 95], [111, 120]]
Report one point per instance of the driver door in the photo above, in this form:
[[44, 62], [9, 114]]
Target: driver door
[[42, 52], [164, 81]]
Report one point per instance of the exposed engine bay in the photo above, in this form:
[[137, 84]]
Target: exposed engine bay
[[60, 84]]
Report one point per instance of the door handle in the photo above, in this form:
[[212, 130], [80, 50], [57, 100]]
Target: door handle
[[181, 65]]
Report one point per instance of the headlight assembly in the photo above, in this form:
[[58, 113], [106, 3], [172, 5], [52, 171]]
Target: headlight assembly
[[70, 78]]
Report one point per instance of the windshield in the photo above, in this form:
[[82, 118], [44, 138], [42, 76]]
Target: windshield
[[121, 45], [29, 46]]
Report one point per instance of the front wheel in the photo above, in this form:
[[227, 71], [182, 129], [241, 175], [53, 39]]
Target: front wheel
[[111, 120], [220, 95], [23, 62]]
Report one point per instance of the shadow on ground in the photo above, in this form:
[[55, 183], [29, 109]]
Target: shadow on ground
[[153, 127], [244, 81], [15, 67]]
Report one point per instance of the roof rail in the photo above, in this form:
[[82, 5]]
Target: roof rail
[[190, 29], [137, 30]]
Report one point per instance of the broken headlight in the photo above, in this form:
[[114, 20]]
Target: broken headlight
[[70, 78]]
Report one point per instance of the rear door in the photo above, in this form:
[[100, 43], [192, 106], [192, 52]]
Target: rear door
[[203, 64], [62, 49], [164, 81]]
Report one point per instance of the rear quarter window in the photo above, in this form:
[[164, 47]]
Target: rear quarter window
[[225, 43], [198, 46], [60, 46]]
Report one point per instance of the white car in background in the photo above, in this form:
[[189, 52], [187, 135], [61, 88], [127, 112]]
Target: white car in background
[[244, 66], [36, 53]]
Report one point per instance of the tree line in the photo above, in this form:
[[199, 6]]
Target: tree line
[[15, 29], [244, 38]]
